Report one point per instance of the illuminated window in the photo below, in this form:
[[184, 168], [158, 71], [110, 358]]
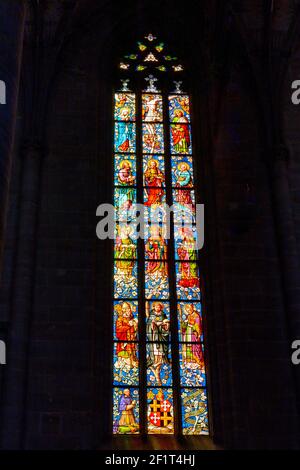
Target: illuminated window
[[159, 373]]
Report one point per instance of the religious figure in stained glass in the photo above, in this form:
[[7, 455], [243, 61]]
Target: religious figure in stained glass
[[180, 133], [125, 175], [183, 176], [125, 106], [158, 331], [126, 352], [127, 422], [187, 254], [125, 248], [182, 103], [141, 154], [126, 327], [156, 247], [154, 178], [190, 326], [125, 134], [152, 108], [157, 285], [153, 141], [126, 364], [125, 169], [192, 370]]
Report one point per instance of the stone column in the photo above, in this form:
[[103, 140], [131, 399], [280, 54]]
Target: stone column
[[16, 372], [287, 249], [12, 17]]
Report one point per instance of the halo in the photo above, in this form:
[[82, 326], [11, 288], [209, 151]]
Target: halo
[[183, 163], [123, 162], [153, 160]]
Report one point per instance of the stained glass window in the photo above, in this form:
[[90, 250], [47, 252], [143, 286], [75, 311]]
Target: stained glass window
[[159, 377]]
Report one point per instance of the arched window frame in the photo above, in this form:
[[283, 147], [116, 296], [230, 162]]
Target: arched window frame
[[136, 84]]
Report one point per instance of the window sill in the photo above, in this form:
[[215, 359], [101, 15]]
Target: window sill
[[160, 443]]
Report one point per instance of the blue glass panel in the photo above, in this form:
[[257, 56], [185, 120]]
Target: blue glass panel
[[179, 108], [159, 368], [194, 411], [153, 138], [192, 368], [126, 411], [126, 366], [156, 280], [182, 172], [125, 279], [125, 137], [125, 200]]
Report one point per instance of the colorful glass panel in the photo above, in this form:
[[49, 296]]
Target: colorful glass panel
[[157, 321], [185, 242], [191, 361], [125, 107], [153, 138], [125, 170], [126, 411], [180, 135], [182, 172], [184, 206], [152, 108], [125, 136], [125, 279], [159, 368], [190, 322], [160, 412], [187, 280], [153, 198], [194, 411], [125, 320], [141, 172], [156, 280], [126, 364], [156, 213], [154, 170], [155, 242], [179, 108], [125, 244], [125, 199]]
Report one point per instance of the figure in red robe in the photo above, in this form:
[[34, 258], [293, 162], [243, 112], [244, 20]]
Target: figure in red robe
[[154, 178], [126, 331]]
